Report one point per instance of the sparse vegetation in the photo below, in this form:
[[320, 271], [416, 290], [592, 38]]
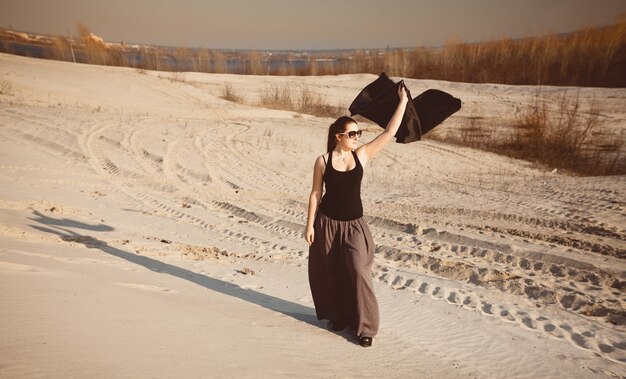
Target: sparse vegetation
[[6, 88], [277, 97], [281, 97], [306, 101], [229, 93], [591, 57], [61, 49], [566, 135], [96, 51], [220, 63], [178, 77], [254, 64], [313, 103]]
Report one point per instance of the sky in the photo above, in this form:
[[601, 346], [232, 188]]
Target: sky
[[307, 24]]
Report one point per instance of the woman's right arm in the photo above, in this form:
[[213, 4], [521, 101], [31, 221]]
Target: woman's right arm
[[370, 149], [314, 199]]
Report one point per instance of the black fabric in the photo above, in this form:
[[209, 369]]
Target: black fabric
[[342, 200], [379, 99]]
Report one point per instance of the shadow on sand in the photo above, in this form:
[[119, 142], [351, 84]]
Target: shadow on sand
[[61, 227]]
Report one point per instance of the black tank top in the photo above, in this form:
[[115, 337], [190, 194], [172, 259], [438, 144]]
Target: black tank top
[[342, 200]]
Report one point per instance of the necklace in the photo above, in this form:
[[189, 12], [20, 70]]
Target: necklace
[[342, 157]]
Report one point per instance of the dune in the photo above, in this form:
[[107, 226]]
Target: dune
[[149, 227]]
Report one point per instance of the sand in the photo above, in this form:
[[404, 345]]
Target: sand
[[150, 228]]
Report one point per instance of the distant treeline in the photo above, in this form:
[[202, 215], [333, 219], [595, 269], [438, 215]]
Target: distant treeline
[[593, 57]]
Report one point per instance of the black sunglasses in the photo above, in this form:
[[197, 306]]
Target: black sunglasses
[[353, 133]]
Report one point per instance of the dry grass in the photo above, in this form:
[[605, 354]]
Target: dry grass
[[229, 93], [591, 57], [178, 77], [6, 88], [565, 135], [569, 138], [254, 64], [61, 50], [277, 97], [305, 101], [220, 63], [185, 59], [150, 59], [96, 51]]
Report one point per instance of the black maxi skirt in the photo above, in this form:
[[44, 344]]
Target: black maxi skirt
[[340, 265]]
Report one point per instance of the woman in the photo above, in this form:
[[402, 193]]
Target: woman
[[341, 249]]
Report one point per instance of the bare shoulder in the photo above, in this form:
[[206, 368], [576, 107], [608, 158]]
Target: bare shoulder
[[322, 159], [320, 162]]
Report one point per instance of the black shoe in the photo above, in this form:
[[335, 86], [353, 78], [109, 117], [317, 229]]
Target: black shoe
[[336, 326], [365, 341]]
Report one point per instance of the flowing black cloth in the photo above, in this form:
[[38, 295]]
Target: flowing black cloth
[[379, 99]]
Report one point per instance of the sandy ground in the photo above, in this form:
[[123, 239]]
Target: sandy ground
[[150, 228]]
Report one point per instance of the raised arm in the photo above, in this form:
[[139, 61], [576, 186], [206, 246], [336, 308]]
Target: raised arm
[[370, 149], [314, 198]]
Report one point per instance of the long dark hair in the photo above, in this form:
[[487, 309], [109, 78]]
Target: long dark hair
[[339, 126]]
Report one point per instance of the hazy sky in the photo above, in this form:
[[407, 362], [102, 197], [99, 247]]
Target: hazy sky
[[307, 24]]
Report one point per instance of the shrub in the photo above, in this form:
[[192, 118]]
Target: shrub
[[306, 101], [229, 93], [562, 135], [277, 98], [566, 137], [6, 88]]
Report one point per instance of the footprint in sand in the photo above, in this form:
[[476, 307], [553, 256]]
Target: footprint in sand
[[486, 308], [579, 340], [423, 288], [469, 302], [437, 293], [506, 315], [606, 348], [145, 287], [529, 323], [452, 298], [549, 328]]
